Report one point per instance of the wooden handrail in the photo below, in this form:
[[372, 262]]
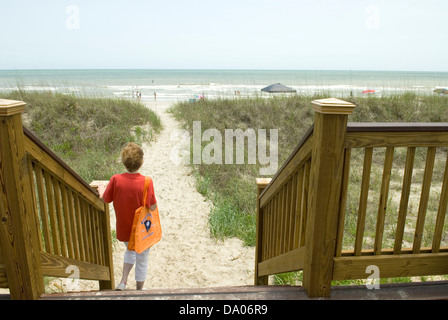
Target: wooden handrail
[[396, 127], [305, 138], [51, 219], [47, 151], [303, 211], [41, 154]]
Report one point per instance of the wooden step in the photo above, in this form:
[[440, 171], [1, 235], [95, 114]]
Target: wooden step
[[403, 291]]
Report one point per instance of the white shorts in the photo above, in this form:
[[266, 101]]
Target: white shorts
[[140, 261]]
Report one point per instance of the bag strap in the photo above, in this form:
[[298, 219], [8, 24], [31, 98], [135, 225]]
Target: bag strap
[[145, 190]]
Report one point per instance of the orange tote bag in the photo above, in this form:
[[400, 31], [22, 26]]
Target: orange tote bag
[[146, 228]]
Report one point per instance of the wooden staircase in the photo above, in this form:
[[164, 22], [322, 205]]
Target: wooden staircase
[[51, 220]]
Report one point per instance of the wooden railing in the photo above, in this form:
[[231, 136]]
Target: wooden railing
[[52, 222], [323, 213]]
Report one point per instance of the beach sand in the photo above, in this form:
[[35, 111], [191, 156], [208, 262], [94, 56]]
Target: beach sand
[[187, 256]]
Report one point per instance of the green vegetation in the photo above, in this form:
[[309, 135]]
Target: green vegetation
[[232, 188], [87, 133]]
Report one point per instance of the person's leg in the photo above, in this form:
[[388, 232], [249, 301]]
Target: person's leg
[[141, 268], [127, 267], [140, 285], [129, 261]]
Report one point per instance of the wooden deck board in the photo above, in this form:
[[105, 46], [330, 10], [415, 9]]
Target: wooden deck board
[[405, 291]]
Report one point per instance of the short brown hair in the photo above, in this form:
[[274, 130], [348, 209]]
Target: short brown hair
[[132, 157]]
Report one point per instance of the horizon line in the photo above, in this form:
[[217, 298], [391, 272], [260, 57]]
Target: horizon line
[[217, 69]]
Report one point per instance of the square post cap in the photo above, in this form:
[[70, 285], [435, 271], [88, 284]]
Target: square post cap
[[11, 107], [263, 182], [333, 106]]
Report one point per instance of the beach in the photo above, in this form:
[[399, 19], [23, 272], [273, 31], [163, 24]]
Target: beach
[[183, 84]]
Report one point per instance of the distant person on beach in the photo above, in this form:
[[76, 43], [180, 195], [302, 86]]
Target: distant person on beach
[[126, 192], [155, 96]]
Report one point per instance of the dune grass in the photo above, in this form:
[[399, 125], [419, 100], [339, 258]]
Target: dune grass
[[86, 132], [232, 188]]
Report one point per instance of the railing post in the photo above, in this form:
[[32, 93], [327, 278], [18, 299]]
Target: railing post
[[110, 284], [18, 233], [330, 126], [262, 183]]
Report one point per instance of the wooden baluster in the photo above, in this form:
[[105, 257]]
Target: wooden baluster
[[43, 208], [73, 224], [284, 206], [275, 225], [52, 214], [278, 228], [363, 200], [292, 213], [383, 200], [405, 192], [298, 211], [343, 202], [304, 204], [33, 184], [85, 229], [100, 237], [59, 217], [89, 228], [266, 225], [437, 238], [426, 185], [96, 235], [265, 235], [272, 226], [67, 221], [286, 217], [80, 227]]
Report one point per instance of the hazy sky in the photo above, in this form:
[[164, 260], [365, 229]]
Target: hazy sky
[[230, 34]]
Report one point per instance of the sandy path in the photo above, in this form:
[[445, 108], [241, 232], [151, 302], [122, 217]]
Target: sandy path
[[186, 256]]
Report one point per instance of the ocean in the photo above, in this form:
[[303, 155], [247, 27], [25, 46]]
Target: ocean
[[181, 85]]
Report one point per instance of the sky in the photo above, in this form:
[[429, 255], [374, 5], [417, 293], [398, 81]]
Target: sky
[[405, 35]]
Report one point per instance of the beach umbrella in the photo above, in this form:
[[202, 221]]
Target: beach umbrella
[[278, 88], [441, 90], [369, 91]]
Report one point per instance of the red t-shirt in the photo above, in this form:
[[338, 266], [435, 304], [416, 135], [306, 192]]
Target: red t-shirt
[[126, 192]]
